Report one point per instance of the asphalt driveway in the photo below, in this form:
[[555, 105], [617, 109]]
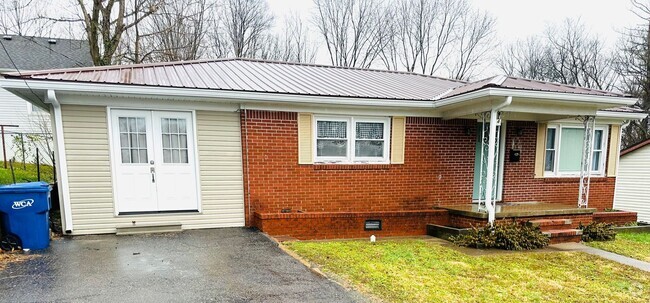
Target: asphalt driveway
[[220, 265]]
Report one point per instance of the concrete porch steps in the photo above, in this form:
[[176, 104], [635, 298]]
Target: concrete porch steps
[[132, 229]]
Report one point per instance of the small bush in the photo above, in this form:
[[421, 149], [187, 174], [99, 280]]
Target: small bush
[[597, 231], [504, 235]]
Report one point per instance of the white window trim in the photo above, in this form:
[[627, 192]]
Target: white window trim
[[351, 138], [558, 137]]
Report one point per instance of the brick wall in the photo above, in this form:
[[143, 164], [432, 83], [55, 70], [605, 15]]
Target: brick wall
[[306, 226], [438, 170], [439, 157], [616, 217], [520, 184], [460, 221]]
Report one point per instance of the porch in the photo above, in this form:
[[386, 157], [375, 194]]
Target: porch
[[559, 221]]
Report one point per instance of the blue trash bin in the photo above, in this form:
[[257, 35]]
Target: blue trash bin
[[24, 212]]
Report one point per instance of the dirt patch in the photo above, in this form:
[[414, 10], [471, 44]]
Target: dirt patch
[[12, 257]]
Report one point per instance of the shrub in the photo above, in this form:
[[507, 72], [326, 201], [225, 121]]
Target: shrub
[[504, 235], [597, 231]]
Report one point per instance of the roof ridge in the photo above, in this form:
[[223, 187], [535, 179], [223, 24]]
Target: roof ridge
[[348, 67]]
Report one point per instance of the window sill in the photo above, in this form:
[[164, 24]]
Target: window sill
[[571, 179], [360, 166]]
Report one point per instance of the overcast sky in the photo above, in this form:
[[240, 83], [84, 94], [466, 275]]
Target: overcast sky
[[519, 19]]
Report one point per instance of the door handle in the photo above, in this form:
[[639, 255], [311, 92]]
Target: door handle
[[153, 174]]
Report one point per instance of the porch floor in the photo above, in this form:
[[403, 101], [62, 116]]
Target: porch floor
[[518, 209]]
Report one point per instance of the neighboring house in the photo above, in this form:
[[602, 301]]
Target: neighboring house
[[633, 182], [313, 151], [29, 54]]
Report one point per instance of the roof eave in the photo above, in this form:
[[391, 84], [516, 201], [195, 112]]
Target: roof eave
[[519, 93], [193, 93], [621, 115]]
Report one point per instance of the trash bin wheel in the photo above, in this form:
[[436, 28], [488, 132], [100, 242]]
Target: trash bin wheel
[[10, 243]]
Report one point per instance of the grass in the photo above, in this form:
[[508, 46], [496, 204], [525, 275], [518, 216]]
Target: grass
[[633, 245], [25, 175], [421, 271]]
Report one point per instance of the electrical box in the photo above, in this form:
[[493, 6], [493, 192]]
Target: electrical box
[[515, 155]]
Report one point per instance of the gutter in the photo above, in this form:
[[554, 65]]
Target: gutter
[[61, 160]]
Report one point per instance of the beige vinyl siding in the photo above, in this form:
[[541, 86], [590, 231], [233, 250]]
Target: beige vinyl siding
[[632, 193], [398, 140], [540, 150], [305, 141], [91, 193]]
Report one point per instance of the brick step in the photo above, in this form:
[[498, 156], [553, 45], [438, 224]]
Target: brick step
[[564, 235], [551, 224]]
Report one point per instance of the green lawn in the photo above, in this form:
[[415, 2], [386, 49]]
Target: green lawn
[[633, 245], [421, 271], [25, 175]]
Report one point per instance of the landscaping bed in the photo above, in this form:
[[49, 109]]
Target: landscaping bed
[[633, 245], [422, 271]]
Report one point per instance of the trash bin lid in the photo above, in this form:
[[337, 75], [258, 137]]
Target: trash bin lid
[[25, 187]]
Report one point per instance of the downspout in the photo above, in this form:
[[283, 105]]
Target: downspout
[[247, 172], [61, 160], [491, 208]]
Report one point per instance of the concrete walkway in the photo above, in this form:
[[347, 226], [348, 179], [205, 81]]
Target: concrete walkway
[[645, 266], [218, 265]]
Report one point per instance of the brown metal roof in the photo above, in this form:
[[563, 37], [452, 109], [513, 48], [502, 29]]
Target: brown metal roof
[[509, 82], [635, 147], [260, 76]]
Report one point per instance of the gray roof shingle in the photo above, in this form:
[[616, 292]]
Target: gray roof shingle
[[37, 53]]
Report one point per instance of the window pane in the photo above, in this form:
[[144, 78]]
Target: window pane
[[142, 140], [174, 139], [167, 155], [143, 156], [141, 127], [332, 129], [181, 126], [176, 158], [126, 156], [549, 164], [550, 138], [173, 125], [183, 141], [369, 149], [165, 141], [595, 161], [123, 127], [598, 139], [124, 140], [135, 156], [184, 156], [331, 148], [132, 126], [164, 124], [134, 141], [571, 149], [366, 130]]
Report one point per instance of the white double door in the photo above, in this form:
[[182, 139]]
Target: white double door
[[154, 162]]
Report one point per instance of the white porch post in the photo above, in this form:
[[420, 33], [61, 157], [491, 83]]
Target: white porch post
[[492, 142], [585, 167]]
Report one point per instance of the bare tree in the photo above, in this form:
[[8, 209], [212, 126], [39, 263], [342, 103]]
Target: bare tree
[[179, 29], [292, 45], [475, 40], [565, 54], [105, 21], [241, 28], [426, 36], [22, 17], [351, 29], [633, 64]]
